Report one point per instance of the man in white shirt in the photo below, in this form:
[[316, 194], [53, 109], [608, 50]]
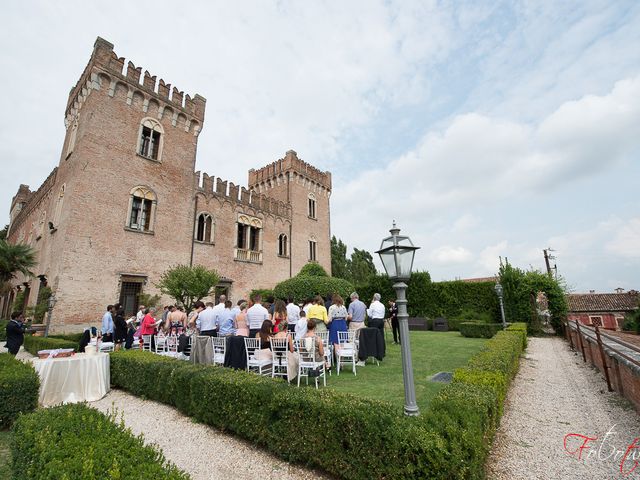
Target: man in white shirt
[[206, 321], [301, 326], [107, 324], [293, 314], [140, 314], [376, 313], [256, 315], [219, 309]]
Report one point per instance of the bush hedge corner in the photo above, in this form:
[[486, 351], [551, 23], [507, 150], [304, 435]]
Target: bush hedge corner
[[79, 442], [19, 385], [479, 330], [33, 344]]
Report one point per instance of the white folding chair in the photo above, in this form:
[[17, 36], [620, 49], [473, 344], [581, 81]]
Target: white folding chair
[[161, 343], [346, 351], [172, 344], [106, 346], [219, 350], [328, 348], [307, 361], [279, 359], [261, 365], [146, 342]]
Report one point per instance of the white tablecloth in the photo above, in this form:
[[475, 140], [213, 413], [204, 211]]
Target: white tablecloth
[[73, 379]]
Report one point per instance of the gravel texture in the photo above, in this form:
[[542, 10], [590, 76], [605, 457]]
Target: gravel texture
[[555, 394], [201, 451]]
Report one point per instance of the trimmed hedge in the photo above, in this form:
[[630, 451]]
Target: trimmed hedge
[[302, 287], [79, 442], [369, 439], [33, 344], [19, 385], [522, 328], [479, 330], [72, 337], [3, 330]]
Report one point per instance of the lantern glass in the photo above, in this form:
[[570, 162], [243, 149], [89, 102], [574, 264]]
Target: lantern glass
[[498, 288], [397, 253]]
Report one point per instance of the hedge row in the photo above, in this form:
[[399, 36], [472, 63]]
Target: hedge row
[[79, 442], [72, 337], [479, 330], [33, 344], [369, 439], [522, 328], [19, 385], [3, 330]]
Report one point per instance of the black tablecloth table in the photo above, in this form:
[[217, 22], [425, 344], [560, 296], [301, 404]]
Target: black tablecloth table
[[371, 344]]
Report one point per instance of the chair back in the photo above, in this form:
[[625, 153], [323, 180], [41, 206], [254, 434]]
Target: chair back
[[251, 345], [345, 337], [307, 350], [146, 342], [279, 349]]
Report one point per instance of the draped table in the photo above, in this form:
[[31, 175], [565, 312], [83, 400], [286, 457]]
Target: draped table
[[74, 379]]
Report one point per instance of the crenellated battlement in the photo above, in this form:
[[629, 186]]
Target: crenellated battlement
[[215, 186], [33, 199], [290, 163], [105, 70]]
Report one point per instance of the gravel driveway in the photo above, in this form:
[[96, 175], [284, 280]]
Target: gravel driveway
[[553, 395], [201, 451]]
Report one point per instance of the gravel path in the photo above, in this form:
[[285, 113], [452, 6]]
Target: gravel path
[[184, 443], [555, 394]]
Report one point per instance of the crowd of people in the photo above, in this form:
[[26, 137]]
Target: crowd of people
[[251, 318]]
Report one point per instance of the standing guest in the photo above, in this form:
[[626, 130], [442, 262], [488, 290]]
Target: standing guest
[[279, 315], [148, 326], [15, 333], [225, 321], [356, 313], [328, 301], [293, 314], [307, 305], [236, 309], [376, 313], [242, 329], [264, 334], [219, 308], [192, 320], [120, 329], [206, 321], [256, 315], [395, 326], [337, 319], [177, 319], [270, 305], [107, 324], [131, 330], [318, 313], [301, 326], [140, 314], [165, 313]]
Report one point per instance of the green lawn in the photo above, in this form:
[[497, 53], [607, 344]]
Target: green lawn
[[432, 352], [5, 454]]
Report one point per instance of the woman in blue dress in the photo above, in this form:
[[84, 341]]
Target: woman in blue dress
[[337, 318]]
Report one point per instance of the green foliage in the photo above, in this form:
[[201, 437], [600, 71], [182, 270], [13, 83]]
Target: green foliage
[[357, 269], [33, 344], [521, 328], [3, 330], [339, 261], [71, 337], [149, 300], [472, 315], [188, 284], [312, 280], [3, 232], [632, 321], [449, 441], [479, 330], [18, 302], [520, 291], [15, 258], [79, 442], [42, 306], [378, 284], [263, 292], [19, 384], [313, 269]]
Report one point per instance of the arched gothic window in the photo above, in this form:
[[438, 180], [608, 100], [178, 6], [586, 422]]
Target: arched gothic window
[[142, 208], [313, 249], [204, 228], [150, 139], [312, 205], [283, 245]]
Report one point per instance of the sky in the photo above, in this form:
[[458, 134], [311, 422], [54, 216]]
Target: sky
[[485, 129]]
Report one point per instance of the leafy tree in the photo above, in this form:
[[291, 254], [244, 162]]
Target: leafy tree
[[188, 284], [3, 232], [339, 261], [361, 266], [15, 258], [149, 300], [313, 269]]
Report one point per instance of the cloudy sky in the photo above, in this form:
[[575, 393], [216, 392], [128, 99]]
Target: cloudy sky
[[485, 129]]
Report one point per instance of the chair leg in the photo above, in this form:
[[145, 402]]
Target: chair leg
[[324, 376]]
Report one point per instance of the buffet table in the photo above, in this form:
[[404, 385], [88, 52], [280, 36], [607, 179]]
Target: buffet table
[[74, 379]]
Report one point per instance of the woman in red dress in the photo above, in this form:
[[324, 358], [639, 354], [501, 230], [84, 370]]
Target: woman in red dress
[[148, 326]]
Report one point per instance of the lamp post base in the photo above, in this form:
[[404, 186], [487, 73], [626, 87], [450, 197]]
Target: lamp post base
[[410, 407]]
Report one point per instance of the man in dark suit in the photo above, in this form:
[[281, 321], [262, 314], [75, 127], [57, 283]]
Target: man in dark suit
[[15, 333]]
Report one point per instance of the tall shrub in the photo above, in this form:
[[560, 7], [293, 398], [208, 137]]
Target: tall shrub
[[311, 281]]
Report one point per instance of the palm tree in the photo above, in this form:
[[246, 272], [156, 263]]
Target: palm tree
[[15, 258]]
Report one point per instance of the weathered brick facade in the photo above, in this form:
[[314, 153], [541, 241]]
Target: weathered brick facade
[[92, 252]]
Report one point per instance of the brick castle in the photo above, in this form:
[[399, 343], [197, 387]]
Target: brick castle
[[125, 203]]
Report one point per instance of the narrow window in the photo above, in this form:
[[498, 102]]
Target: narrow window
[[312, 250], [142, 208], [241, 236], [254, 239], [282, 245], [204, 230], [312, 208]]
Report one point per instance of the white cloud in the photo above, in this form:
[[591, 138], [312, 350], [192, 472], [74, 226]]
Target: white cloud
[[626, 240], [447, 254]]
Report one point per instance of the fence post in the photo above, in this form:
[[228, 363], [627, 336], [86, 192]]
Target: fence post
[[604, 359], [567, 331], [584, 356]]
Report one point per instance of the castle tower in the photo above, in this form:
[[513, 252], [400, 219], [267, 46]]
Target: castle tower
[[308, 190]]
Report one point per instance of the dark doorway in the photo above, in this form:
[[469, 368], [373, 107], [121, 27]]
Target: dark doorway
[[129, 297]]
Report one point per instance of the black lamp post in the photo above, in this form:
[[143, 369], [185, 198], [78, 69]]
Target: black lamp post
[[396, 253], [499, 292]]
